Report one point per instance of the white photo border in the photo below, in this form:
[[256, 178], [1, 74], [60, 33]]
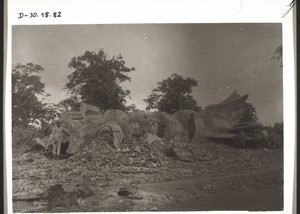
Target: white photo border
[[166, 11]]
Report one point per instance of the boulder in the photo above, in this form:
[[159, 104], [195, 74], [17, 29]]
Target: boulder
[[173, 130], [58, 197], [121, 118], [157, 146], [112, 133], [82, 190], [160, 150], [223, 116], [92, 114], [87, 110], [140, 123], [77, 130], [52, 191], [115, 115], [151, 138], [127, 190], [183, 116], [183, 154], [66, 199]]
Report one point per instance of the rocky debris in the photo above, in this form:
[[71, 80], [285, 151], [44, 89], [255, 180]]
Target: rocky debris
[[127, 190], [100, 165], [82, 190], [129, 153]]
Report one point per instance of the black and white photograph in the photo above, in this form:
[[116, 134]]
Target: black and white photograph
[[147, 117]]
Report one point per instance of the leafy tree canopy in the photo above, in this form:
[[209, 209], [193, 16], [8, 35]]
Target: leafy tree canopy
[[173, 94], [250, 114], [71, 103], [28, 92], [96, 79]]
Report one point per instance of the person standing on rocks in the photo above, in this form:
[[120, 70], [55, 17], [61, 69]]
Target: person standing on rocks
[[161, 128], [191, 127], [57, 138]]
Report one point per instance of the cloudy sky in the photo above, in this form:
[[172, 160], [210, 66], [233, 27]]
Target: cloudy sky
[[221, 57]]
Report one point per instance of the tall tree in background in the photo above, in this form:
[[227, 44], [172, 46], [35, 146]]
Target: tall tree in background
[[96, 79], [71, 103], [28, 93], [173, 94]]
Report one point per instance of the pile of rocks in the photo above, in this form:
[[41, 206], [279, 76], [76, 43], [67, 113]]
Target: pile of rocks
[[130, 152]]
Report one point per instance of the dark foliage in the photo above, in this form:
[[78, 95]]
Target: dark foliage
[[173, 94], [96, 79], [28, 92]]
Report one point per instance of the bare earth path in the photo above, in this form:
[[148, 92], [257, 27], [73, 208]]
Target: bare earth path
[[197, 193]]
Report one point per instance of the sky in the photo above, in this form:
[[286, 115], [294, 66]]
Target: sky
[[221, 57]]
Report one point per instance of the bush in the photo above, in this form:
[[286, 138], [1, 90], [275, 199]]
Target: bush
[[22, 138], [260, 137], [274, 136]]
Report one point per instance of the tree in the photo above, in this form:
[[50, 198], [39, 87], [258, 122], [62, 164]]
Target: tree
[[28, 92], [96, 80], [71, 103], [173, 94], [250, 114], [278, 128], [277, 55]]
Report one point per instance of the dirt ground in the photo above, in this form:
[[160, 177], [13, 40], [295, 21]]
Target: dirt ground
[[221, 178]]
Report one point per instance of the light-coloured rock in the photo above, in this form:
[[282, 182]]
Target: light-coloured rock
[[174, 130], [183, 116]]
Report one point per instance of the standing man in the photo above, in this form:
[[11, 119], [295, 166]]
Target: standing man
[[191, 127], [161, 127], [56, 138]]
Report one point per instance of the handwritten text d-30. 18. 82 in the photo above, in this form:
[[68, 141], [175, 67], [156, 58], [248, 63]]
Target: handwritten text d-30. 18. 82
[[40, 15]]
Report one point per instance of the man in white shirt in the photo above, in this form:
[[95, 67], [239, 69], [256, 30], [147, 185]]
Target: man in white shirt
[[56, 139]]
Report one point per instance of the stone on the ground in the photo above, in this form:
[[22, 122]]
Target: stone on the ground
[[183, 154], [82, 190], [160, 150], [52, 191], [58, 197], [63, 199], [127, 190]]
